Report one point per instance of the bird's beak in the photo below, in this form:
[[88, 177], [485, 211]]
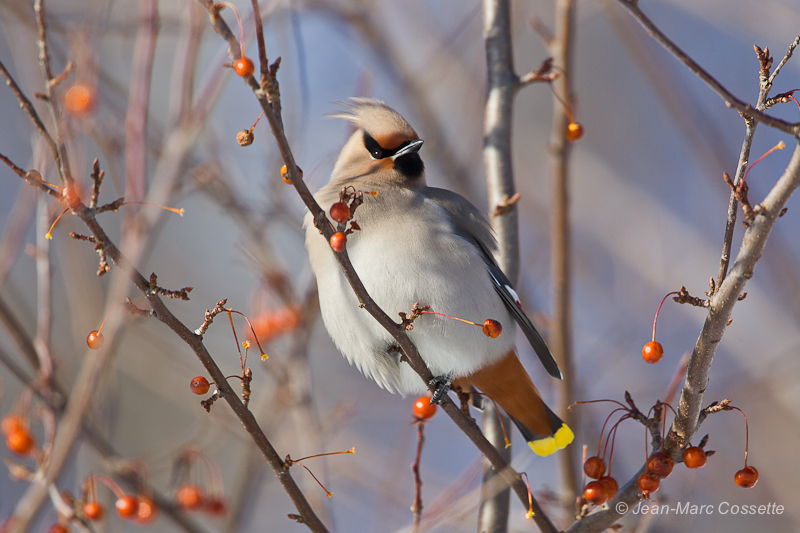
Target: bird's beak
[[410, 148]]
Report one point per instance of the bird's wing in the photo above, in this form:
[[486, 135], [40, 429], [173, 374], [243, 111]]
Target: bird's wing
[[470, 224]]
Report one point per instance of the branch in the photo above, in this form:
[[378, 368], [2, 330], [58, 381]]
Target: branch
[[730, 100]]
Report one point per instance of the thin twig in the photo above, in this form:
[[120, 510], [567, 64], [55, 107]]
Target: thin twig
[[416, 508], [730, 100]]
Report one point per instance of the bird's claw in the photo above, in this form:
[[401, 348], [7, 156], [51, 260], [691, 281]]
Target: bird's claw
[[442, 384]]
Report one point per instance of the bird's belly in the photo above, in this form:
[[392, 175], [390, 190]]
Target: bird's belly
[[402, 264]]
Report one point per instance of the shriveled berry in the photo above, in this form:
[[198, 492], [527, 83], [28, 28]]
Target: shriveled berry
[[594, 467], [199, 385], [244, 66], [216, 506], [338, 240], [492, 328], [95, 340], [93, 510], [611, 485], [245, 138], [20, 441], [189, 496], [747, 477], [653, 352], [648, 483], [340, 212], [127, 506], [423, 409], [660, 464], [574, 131], [147, 511], [694, 457], [595, 493]]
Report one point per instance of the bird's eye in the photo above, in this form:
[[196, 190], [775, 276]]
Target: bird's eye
[[377, 154]]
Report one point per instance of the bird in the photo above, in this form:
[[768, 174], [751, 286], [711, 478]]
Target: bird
[[417, 244]]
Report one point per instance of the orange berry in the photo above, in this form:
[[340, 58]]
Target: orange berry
[[423, 409], [285, 174], [189, 496], [594, 467], [574, 131], [199, 385], [649, 483], [127, 506], [146, 512], [12, 423], [244, 66], [595, 493], [20, 441], [340, 212], [694, 457], [653, 352], [747, 477], [95, 340], [660, 464], [93, 510], [79, 99], [492, 328], [338, 240], [611, 485], [58, 528]]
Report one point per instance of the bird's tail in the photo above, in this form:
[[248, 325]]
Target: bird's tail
[[509, 385]]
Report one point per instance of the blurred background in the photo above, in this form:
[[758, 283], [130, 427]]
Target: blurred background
[[648, 214]]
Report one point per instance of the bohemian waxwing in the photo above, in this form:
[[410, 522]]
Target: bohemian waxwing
[[432, 246]]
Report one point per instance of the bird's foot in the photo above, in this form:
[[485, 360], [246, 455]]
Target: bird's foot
[[442, 384]]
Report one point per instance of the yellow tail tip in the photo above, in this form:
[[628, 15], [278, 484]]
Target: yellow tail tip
[[548, 445]]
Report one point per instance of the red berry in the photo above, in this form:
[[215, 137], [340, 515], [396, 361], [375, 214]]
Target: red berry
[[653, 352], [216, 506], [95, 340], [649, 483], [611, 485], [12, 423], [58, 528], [492, 328], [199, 385], [595, 493], [93, 510], [146, 512], [423, 409], [338, 241], [747, 477], [244, 66], [574, 131], [20, 441], [594, 467], [79, 99], [694, 457], [127, 506], [189, 496], [660, 464], [340, 212]]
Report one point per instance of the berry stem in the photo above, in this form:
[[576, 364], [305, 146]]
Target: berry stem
[[106, 317], [746, 432], [293, 461], [655, 320], [241, 26], [256, 122], [253, 331], [530, 512], [111, 484], [779, 146], [448, 316], [614, 439], [602, 432], [180, 211], [49, 234]]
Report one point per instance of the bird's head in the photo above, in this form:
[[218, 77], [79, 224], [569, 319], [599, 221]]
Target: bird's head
[[383, 148]]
